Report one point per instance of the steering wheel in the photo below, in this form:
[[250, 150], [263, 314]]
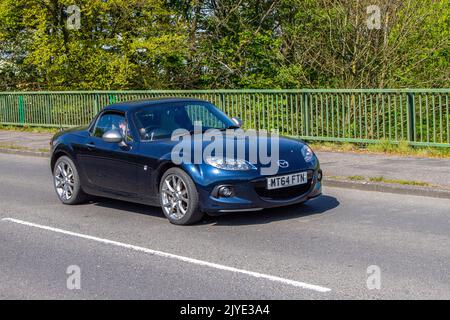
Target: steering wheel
[[148, 130]]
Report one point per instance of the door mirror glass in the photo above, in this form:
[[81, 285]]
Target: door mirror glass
[[112, 136]]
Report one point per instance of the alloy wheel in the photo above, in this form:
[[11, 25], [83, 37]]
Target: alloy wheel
[[64, 180], [174, 196]]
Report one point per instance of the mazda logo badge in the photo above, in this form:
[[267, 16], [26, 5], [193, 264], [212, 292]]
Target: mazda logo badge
[[283, 163]]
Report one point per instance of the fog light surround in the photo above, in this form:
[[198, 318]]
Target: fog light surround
[[223, 191], [319, 175]]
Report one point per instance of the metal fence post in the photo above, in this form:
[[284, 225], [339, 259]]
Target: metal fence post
[[96, 104], [21, 110], [411, 116], [113, 98], [305, 115]]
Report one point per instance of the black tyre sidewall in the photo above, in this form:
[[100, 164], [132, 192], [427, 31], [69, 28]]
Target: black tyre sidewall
[[193, 213]]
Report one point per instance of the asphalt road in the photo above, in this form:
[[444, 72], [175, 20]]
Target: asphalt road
[[320, 250]]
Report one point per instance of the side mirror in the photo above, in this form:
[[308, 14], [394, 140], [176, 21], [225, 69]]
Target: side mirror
[[112, 136], [237, 121]]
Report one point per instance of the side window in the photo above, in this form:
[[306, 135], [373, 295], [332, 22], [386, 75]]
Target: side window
[[202, 114], [109, 121]]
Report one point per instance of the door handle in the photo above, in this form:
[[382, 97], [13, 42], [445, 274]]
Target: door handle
[[90, 145]]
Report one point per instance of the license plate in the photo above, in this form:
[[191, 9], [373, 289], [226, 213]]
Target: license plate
[[287, 180]]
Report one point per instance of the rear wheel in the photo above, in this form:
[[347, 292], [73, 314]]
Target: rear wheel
[[179, 197], [67, 182]]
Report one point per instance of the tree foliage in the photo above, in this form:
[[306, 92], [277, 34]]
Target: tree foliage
[[188, 44]]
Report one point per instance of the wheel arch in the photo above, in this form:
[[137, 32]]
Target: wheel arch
[[58, 153], [160, 172]]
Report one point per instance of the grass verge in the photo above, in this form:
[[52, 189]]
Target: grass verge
[[399, 181], [29, 129]]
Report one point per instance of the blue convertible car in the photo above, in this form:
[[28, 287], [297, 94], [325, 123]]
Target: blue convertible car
[[127, 153]]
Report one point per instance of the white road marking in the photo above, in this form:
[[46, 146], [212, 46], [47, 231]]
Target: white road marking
[[174, 256]]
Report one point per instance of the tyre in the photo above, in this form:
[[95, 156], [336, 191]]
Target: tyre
[[67, 182], [179, 197]]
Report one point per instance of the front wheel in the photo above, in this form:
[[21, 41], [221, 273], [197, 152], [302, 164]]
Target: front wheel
[[179, 197], [67, 182]]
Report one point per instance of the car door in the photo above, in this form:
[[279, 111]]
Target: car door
[[110, 167]]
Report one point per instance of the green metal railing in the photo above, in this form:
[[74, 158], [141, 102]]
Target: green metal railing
[[420, 117]]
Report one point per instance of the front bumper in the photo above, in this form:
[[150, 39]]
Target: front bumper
[[252, 196]]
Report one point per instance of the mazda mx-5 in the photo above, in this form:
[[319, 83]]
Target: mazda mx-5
[[133, 151]]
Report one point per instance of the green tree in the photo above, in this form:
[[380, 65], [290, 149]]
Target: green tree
[[120, 44], [189, 44]]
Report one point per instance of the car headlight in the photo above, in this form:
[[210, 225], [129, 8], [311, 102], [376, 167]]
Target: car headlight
[[229, 164], [307, 153]]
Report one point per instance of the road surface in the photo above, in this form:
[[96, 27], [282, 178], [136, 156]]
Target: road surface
[[320, 250]]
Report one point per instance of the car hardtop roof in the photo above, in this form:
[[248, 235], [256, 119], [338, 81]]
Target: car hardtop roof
[[136, 104]]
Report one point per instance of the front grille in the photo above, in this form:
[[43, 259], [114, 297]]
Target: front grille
[[282, 193]]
